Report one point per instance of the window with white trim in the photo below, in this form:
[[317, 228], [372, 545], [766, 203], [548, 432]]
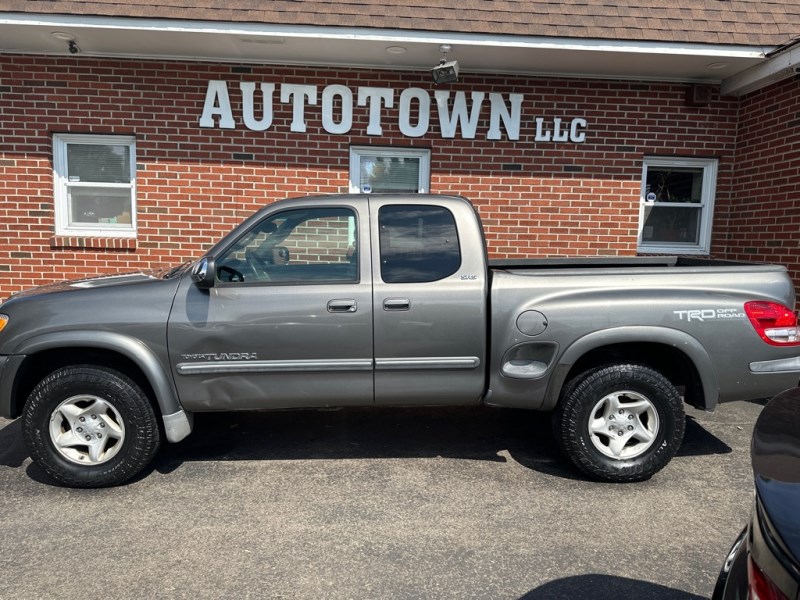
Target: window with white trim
[[375, 170], [95, 185], [677, 205]]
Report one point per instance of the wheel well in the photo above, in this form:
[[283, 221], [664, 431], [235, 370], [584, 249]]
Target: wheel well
[[37, 366], [669, 361]]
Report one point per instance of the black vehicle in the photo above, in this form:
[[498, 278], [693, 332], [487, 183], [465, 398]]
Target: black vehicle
[[764, 562]]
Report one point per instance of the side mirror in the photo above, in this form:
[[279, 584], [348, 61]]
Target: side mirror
[[204, 272]]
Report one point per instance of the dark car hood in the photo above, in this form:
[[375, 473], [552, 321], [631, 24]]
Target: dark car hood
[[776, 465], [100, 282]]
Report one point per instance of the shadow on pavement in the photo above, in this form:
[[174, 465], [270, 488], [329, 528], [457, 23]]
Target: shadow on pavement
[[605, 587], [697, 441], [472, 433], [12, 449]]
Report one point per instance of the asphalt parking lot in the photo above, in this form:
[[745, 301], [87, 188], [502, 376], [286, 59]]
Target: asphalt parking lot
[[415, 503]]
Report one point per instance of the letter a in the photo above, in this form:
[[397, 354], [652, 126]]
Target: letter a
[[217, 103]]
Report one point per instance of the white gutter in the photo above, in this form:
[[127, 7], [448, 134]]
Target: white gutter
[[383, 35], [781, 66]]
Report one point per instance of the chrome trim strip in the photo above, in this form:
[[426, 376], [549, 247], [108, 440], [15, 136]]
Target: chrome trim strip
[[436, 362], [782, 365], [273, 366]]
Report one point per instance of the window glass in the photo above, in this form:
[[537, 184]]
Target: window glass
[[95, 185], [671, 224], [88, 206], [417, 243], [296, 246], [677, 205], [375, 170], [99, 163], [389, 174], [674, 184]]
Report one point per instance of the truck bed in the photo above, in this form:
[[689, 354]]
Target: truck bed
[[613, 262]]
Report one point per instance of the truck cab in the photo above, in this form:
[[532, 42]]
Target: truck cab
[[314, 303]]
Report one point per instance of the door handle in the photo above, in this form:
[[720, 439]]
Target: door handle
[[343, 305], [397, 304]]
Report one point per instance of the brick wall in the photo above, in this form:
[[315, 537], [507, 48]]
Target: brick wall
[[194, 184], [321, 241], [763, 214]]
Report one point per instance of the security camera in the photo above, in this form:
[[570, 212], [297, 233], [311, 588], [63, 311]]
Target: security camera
[[445, 72], [73, 48]]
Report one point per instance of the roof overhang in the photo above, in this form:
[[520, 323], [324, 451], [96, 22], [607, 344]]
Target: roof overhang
[[255, 43], [779, 65]]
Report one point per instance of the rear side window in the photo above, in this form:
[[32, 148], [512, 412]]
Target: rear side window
[[418, 243]]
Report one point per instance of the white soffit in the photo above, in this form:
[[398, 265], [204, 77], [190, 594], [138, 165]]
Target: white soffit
[[249, 43]]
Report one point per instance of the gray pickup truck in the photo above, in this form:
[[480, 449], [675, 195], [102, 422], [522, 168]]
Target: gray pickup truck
[[389, 300]]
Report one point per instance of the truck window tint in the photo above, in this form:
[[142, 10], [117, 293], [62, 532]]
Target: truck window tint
[[296, 246], [418, 244]]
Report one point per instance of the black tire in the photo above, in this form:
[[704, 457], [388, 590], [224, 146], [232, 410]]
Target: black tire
[[589, 431], [108, 409]]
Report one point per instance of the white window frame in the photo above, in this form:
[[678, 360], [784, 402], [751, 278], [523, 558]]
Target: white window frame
[[62, 185], [706, 206], [357, 152]]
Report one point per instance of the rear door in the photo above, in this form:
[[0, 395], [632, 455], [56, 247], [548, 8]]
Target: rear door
[[430, 292]]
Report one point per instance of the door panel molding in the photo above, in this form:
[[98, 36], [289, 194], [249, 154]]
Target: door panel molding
[[435, 362], [274, 366]]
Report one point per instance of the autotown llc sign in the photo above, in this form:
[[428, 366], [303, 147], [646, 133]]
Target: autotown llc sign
[[454, 116]]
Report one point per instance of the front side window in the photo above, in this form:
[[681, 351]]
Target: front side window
[[304, 246], [677, 203], [418, 244], [95, 185], [389, 170]]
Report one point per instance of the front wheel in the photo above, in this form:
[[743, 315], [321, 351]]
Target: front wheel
[[620, 423], [90, 426]]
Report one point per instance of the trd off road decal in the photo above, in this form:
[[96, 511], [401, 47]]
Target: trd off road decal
[[709, 314]]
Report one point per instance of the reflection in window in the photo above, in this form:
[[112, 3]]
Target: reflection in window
[[389, 174], [674, 184], [418, 244], [295, 246]]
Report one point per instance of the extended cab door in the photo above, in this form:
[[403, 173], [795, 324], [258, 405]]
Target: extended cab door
[[288, 322], [430, 289]]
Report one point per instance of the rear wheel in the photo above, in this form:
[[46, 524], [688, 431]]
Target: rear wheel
[[90, 426], [620, 423]]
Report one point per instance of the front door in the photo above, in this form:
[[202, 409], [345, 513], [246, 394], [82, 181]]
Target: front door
[[288, 322]]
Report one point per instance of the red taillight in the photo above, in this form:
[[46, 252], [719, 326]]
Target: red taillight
[[761, 586], [776, 324]]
